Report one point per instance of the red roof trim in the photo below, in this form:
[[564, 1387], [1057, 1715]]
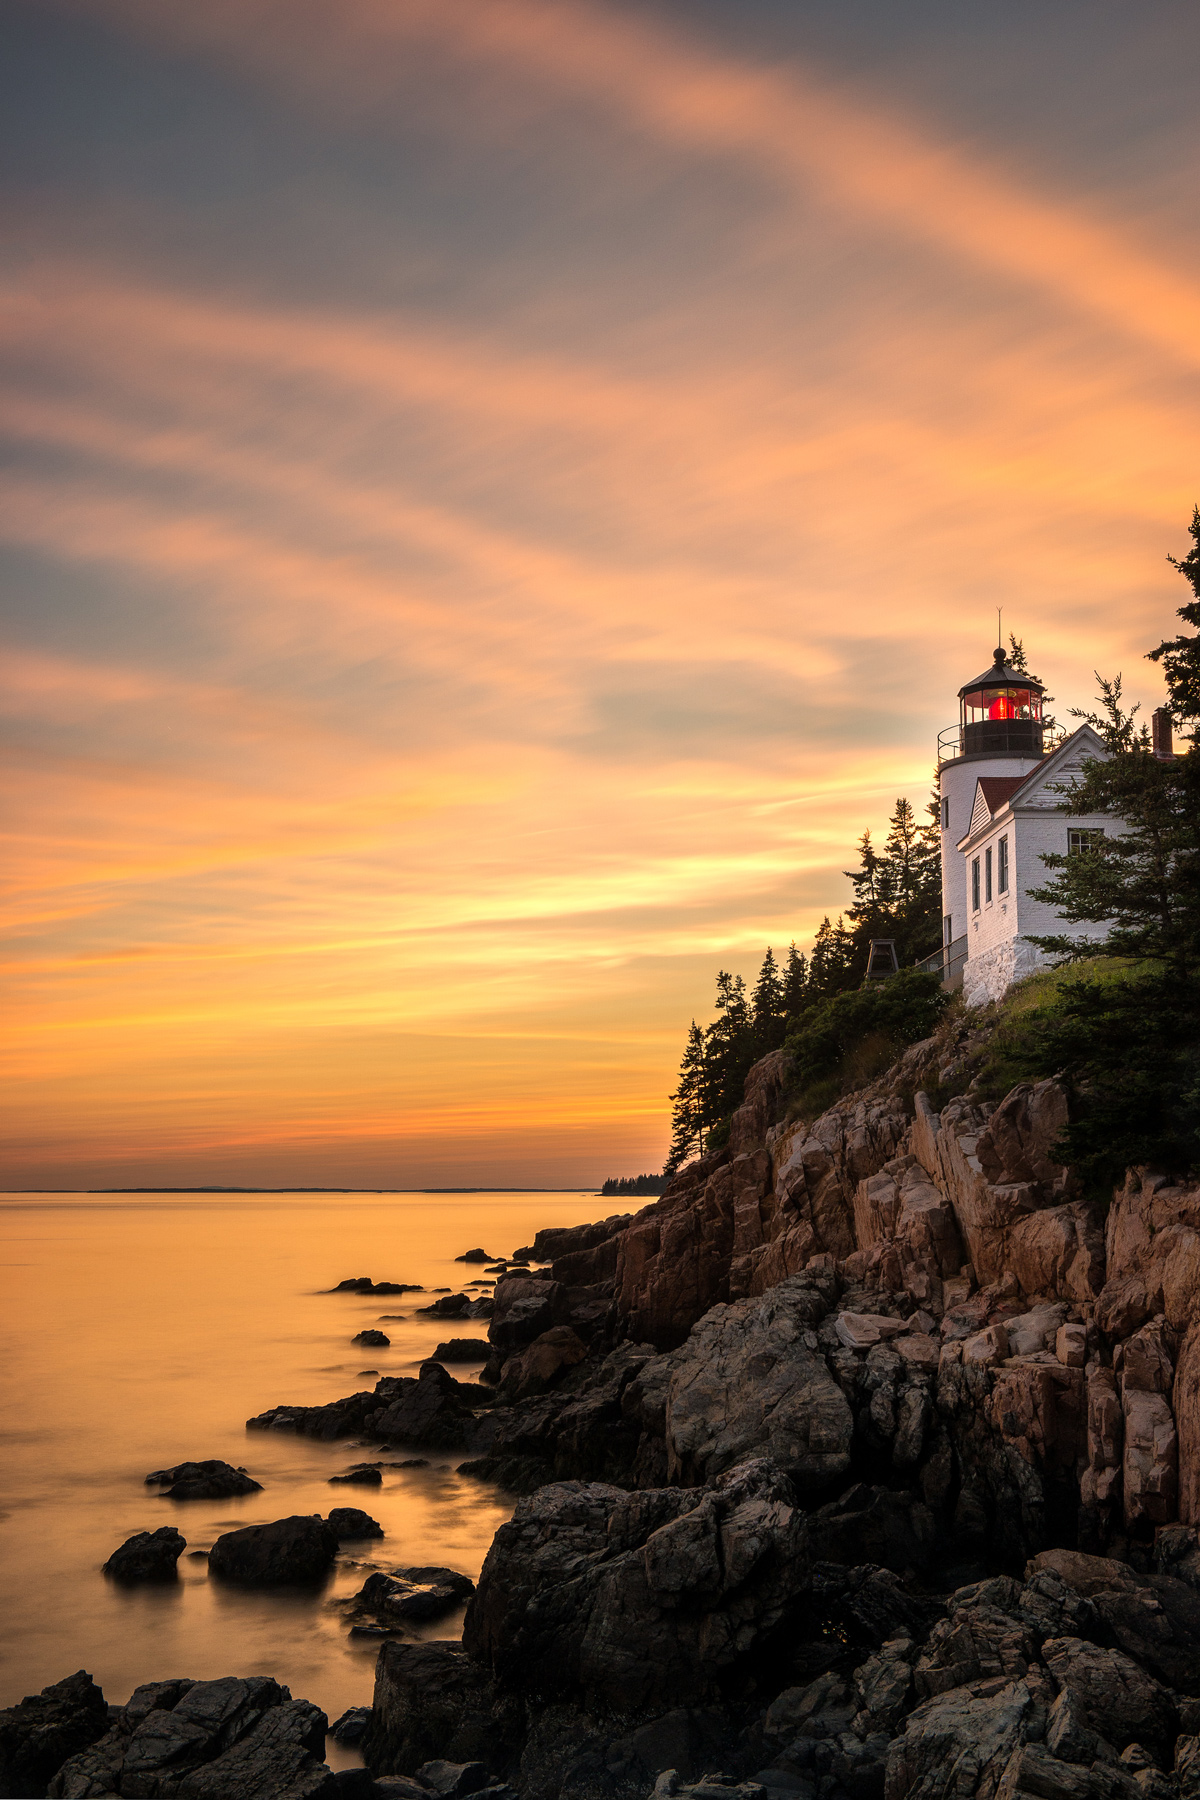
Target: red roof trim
[[996, 789]]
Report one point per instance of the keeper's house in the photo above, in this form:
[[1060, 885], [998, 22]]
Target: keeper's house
[[1001, 772]]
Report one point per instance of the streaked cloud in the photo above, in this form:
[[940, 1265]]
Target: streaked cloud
[[414, 699]]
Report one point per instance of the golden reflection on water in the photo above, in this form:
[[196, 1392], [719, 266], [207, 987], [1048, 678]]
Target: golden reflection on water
[[140, 1331]]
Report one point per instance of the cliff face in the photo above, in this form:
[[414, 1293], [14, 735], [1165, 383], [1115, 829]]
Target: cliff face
[[1031, 1369]]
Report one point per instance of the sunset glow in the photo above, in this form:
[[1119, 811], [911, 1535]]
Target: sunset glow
[[499, 494]]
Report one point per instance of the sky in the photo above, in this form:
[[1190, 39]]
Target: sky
[[498, 494]]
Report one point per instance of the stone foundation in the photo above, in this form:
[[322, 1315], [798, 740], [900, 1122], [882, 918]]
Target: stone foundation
[[990, 974]]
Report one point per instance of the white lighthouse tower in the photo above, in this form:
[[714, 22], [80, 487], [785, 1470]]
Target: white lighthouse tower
[[1000, 737]]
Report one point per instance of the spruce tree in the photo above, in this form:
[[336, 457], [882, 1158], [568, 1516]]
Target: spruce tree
[[767, 1007], [795, 982], [687, 1105], [1180, 656]]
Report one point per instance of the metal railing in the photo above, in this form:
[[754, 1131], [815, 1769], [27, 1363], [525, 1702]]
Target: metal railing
[[947, 962], [950, 741]]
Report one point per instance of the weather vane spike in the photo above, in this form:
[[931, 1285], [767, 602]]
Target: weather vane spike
[[1000, 625]]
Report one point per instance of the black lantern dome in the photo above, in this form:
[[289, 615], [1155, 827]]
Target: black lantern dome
[[1001, 712]]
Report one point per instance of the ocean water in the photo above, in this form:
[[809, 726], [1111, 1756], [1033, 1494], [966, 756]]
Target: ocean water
[[139, 1331]]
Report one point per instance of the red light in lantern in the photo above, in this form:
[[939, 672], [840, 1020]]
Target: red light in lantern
[[1002, 708]]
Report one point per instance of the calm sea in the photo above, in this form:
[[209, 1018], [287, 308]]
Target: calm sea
[[138, 1331]]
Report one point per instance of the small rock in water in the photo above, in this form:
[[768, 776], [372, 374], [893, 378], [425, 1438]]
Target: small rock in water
[[347, 1523], [364, 1475], [412, 1595], [148, 1556], [449, 1308], [368, 1372], [211, 1480], [412, 1462], [377, 1339], [351, 1728], [462, 1350], [296, 1550], [480, 1256]]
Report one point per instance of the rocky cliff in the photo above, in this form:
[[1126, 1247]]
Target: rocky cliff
[[864, 1464]]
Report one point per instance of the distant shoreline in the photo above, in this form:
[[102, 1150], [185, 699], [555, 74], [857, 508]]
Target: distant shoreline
[[302, 1190]]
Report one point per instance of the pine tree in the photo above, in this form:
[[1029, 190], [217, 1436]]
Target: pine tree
[[1180, 656], [831, 966], [687, 1121], [728, 1050], [795, 982], [767, 1007]]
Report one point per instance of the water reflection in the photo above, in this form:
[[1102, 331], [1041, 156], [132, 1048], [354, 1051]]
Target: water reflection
[[142, 1331]]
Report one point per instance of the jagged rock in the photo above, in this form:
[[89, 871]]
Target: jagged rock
[[43, 1730], [364, 1475], [1186, 1399], [746, 1383], [1117, 1699], [348, 1523], [148, 1556], [525, 1306], [979, 1641], [534, 1368], [1151, 1460], [433, 1409], [300, 1549], [211, 1480], [234, 1739], [462, 1350], [412, 1594], [375, 1340], [432, 1700], [352, 1727], [449, 1306], [687, 1587], [959, 1743]]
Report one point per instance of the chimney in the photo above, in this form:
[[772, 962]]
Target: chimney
[[1160, 733]]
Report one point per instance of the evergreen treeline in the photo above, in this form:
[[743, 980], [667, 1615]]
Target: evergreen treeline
[[897, 894], [634, 1186]]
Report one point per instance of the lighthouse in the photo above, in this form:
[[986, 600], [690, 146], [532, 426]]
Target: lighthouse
[[1000, 737], [1003, 772]]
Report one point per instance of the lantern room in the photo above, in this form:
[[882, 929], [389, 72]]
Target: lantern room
[[1001, 712]]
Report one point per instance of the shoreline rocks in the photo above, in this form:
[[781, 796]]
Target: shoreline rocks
[[211, 1480], [298, 1551], [148, 1556]]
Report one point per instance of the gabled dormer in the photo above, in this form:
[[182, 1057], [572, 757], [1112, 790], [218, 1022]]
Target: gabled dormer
[[1041, 788]]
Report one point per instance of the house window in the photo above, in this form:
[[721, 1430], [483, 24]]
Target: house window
[[1080, 842], [987, 875], [945, 812], [975, 885], [1002, 866]]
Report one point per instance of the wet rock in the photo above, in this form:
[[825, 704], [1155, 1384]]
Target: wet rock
[[233, 1739], [746, 1383], [433, 1409], [348, 1523], [450, 1306], [362, 1284], [364, 1475], [211, 1480], [475, 1256], [374, 1339], [39, 1734], [300, 1549], [523, 1307], [148, 1556], [412, 1594], [466, 1350], [352, 1727]]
